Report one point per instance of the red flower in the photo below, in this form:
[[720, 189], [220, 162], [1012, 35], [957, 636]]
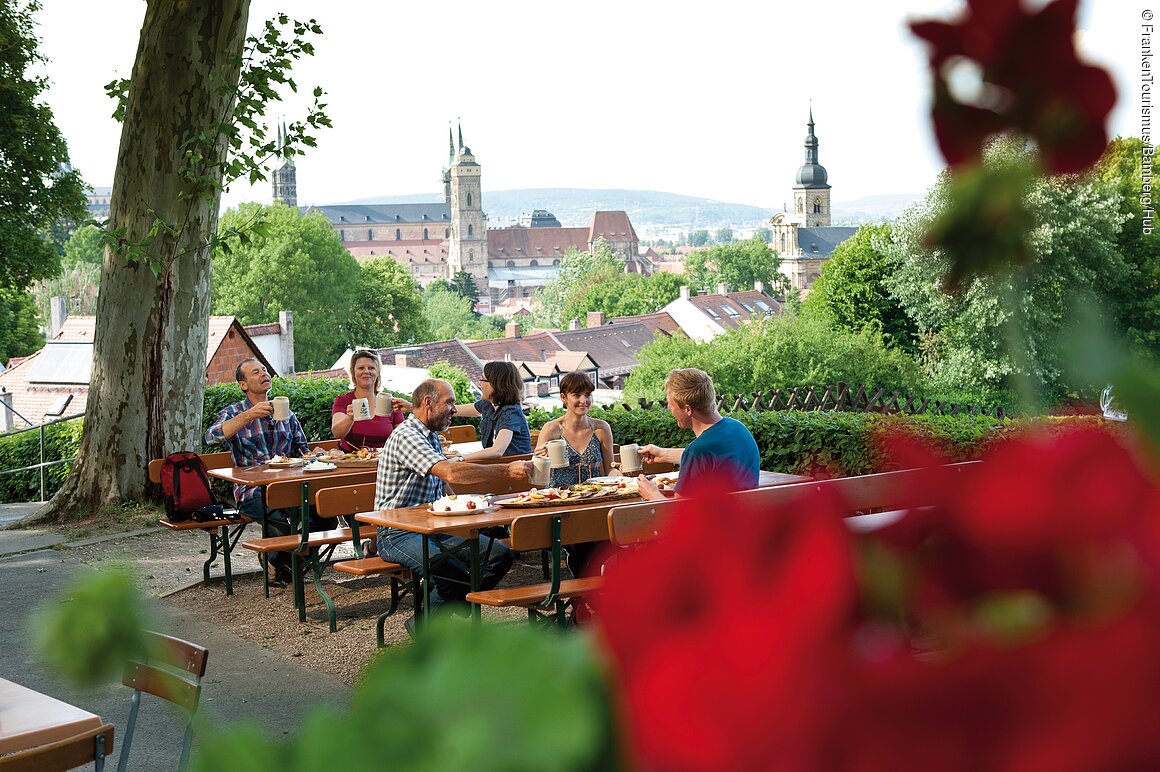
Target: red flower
[[1033, 83]]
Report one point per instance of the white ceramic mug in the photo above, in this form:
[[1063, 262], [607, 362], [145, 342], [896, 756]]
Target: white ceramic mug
[[541, 471], [362, 409], [383, 404], [556, 452], [281, 408], [630, 458]]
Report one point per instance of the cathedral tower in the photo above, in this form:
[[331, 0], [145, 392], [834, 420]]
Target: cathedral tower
[[467, 250], [285, 178], [811, 194]]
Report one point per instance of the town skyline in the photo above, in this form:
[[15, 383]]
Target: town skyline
[[671, 99]]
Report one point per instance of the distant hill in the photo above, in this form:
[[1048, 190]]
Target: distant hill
[[651, 211]]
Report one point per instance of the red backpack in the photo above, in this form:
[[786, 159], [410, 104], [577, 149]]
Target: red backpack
[[186, 487]]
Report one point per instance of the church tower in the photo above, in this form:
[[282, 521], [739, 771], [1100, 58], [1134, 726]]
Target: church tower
[[285, 178], [467, 250], [811, 194]]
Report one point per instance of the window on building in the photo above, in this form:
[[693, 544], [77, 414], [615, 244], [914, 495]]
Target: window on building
[[748, 308], [342, 235], [446, 233], [470, 230], [425, 237], [712, 313], [731, 311], [799, 206], [469, 199], [817, 206], [511, 263], [370, 234], [535, 263], [398, 234], [555, 262], [471, 255], [525, 291], [764, 306]]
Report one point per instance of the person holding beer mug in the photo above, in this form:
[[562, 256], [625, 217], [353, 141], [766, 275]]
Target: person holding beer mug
[[362, 418]]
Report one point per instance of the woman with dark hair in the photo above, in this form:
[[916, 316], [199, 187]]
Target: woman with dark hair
[[502, 426], [365, 377], [588, 441]]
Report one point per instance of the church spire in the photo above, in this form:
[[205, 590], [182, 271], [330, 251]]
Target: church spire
[[450, 146], [811, 174], [461, 136]]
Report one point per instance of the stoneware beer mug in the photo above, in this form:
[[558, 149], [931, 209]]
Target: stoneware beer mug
[[630, 458], [541, 471], [281, 408], [556, 453], [383, 404], [362, 409]]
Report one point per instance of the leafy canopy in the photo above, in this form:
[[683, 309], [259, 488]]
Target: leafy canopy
[[388, 310], [37, 187], [738, 265], [449, 314], [779, 352], [298, 266]]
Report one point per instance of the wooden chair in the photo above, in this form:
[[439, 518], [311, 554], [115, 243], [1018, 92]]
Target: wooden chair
[[92, 745], [465, 433], [551, 532], [290, 494], [350, 500], [171, 669], [221, 538]]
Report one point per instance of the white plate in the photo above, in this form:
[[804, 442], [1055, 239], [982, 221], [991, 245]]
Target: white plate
[[286, 463], [610, 480], [319, 467]]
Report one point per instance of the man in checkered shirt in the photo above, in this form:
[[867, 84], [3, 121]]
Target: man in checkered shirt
[[412, 470]]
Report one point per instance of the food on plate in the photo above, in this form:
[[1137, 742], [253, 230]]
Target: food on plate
[[459, 504], [318, 466], [579, 492], [666, 482]]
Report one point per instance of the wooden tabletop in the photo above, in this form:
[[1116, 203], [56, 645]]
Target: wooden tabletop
[[420, 520], [29, 718], [264, 474]]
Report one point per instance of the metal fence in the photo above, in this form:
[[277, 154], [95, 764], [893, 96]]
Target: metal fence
[[43, 464]]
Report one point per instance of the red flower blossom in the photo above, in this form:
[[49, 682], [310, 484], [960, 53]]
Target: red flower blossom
[[1033, 83]]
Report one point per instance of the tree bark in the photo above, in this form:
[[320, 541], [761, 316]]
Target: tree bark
[[149, 352]]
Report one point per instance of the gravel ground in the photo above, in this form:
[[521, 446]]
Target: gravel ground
[[166, 564]]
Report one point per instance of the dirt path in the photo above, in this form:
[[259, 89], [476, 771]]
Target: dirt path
[[164, 562]]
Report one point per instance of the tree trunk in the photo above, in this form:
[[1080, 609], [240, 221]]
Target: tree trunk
[[149, 352]]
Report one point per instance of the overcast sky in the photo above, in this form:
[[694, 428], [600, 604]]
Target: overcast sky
[[702, 99]]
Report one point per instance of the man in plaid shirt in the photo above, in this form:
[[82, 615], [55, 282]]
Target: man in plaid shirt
[[412, 470], [253, 437]]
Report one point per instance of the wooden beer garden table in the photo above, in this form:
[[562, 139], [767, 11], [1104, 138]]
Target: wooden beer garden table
[[29, 718], [468, 525]]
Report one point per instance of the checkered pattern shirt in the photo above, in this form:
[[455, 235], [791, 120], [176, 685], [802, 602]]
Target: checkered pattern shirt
[[257, 442], [404, 478]]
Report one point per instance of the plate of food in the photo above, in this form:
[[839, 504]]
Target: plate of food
[[285, 462], [666, 481], [459, 505], [319, 466], [363, 457], [611, 480], [582, 493]]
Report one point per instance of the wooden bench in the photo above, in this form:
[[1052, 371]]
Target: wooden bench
[[290, 494], [221, 538], [550, 532], [350, 500], [638, 523]]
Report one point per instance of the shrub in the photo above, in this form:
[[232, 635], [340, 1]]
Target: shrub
[[18, 450]]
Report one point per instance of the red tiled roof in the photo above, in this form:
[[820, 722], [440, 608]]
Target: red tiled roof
[[735, 300], [529, 348], [568, 361], [537, 243], [612, 226], [658, 322], [453, 351], [262, 329]]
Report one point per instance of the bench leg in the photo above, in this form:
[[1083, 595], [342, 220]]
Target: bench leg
[[316, 564], [225, 539], [299, 582]]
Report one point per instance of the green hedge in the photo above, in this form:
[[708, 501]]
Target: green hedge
[[23, 449]]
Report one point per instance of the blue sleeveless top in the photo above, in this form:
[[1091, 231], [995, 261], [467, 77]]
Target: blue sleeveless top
[[590, 464]]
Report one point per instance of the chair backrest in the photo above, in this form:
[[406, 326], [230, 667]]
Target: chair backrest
[[636, 523], [465, 433], [345, 500], [534, 531], [171, 669], [222, 460], [92, 745], [288, 493]]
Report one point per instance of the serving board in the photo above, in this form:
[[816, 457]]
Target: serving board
[[355, 462], [556, 502]]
